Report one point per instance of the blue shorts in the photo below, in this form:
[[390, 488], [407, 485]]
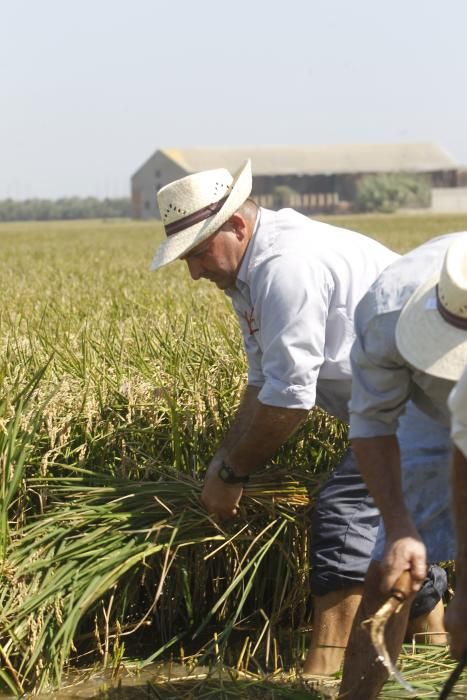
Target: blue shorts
[[344, 526]]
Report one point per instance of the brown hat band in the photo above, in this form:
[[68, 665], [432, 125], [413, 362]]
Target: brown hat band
[[195, 218], [449, 317]]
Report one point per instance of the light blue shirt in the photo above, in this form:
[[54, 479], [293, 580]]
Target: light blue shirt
[[295, 296], [383, 382]]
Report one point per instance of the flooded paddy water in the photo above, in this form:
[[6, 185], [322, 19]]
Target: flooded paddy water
[[173, 681], [150, 685], [426, 669]]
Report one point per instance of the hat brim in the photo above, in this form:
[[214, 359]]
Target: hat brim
[[181, 243], [426, 340]]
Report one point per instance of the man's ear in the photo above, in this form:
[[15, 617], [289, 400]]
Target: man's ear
[[239, 226]]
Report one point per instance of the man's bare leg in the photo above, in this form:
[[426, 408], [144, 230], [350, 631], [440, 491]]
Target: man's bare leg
[[363, 674], [333, 615], [428, 628]]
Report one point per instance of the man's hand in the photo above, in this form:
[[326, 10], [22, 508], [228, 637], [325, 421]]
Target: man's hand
[[219, 498], [456, 624], [404, 553]]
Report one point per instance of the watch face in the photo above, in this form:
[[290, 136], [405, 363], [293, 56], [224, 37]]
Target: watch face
[[227, 474], [224, 473]]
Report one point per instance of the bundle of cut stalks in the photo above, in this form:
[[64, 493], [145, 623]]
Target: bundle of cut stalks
[[108, 560]]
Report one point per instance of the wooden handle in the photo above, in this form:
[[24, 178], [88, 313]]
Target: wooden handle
[[402, 587]]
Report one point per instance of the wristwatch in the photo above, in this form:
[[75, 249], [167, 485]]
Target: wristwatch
[[228, 476]]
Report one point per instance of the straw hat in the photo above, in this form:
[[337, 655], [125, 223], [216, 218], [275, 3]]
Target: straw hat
[[431, 332], [196, 206]]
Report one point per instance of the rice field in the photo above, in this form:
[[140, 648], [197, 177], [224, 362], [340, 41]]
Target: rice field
[[117, 384]]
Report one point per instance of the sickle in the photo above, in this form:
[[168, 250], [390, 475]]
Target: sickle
[[453, 678], [397, 596]]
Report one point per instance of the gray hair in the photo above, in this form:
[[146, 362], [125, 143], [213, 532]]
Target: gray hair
[[249, 210]]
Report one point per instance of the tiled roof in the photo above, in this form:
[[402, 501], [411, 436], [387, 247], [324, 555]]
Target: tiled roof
[[315, 160]]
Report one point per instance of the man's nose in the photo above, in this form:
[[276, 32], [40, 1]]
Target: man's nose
[[194, 267]]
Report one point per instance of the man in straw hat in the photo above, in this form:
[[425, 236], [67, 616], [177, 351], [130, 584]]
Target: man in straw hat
[[294, 284], [411, 343]]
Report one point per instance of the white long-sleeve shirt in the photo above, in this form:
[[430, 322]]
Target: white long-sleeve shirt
[[295, 296]]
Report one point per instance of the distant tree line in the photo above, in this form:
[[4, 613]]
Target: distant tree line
[[65, 208], [386, 193], [392, 191]]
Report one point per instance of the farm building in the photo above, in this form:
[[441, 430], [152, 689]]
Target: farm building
[[312, 179]]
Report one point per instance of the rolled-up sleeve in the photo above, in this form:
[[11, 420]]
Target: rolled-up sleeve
[[291, 308], [458, 407], [380, 379]]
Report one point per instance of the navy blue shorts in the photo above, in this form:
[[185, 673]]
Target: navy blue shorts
[[344, 526]]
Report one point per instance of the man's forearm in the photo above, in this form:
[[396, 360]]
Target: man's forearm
[[379, 463], [268, 429], [241, 421], [378, 459], [255, 434]]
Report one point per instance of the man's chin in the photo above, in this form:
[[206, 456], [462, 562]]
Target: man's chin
[[221, 284]]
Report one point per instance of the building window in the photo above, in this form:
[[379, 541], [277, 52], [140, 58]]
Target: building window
[[157, 173]]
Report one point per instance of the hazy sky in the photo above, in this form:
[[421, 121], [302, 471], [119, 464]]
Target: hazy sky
[[89, 89]]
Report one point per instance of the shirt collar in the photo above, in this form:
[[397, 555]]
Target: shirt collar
[[242, 276]]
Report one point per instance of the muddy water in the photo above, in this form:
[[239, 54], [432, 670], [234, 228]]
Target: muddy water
[[173, 682], [151, 684], [157, 682], [128, 686]]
